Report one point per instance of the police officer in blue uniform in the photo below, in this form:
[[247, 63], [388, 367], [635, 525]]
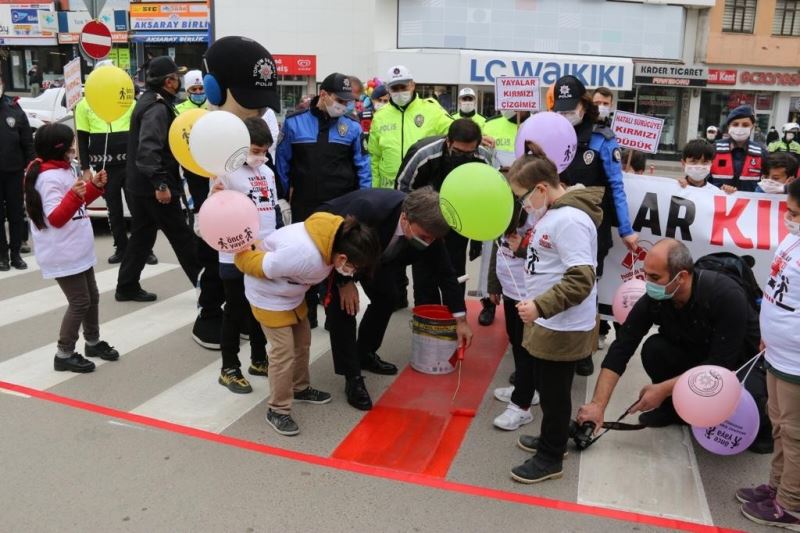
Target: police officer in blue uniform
[[598, 162], [320, 156]]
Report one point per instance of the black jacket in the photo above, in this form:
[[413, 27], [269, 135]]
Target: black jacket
[[717, 326], [428, 163], [150, 161], [16, 137], [380, 209]]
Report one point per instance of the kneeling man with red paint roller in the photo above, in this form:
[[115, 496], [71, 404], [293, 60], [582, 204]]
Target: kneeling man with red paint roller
[[411, 228]]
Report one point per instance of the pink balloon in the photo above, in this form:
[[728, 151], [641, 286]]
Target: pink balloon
[[734, 435], [626, 297], [228, 221], [553, 133], [706, 395]]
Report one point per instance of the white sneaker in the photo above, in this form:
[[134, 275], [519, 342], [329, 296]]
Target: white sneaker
[[601, 342], [504, 395], [513, 418]]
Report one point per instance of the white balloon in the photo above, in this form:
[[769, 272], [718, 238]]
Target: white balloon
[[219, 142]]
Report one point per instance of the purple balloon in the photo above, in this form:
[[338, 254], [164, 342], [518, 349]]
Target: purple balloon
[[553, 133], [736, 433]]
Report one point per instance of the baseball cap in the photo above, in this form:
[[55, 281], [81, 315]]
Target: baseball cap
[[247, 69], [466, 91], [193, 78], [711, 129], [568, 91], [338, 84], [398, 74]]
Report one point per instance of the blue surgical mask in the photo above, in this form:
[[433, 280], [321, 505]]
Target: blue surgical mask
[[351, 106], [659, 292], [197, 98]]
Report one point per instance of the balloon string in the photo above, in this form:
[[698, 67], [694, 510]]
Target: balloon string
[[105, 149], [752, 362], [510, 273]]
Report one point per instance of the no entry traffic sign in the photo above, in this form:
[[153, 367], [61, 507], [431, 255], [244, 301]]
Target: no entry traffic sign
[[95, 39]]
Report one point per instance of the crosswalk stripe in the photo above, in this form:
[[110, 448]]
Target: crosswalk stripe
[[50, 298], [127, 333], [200, 402], [33, 266]]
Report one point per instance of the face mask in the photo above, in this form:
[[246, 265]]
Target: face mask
[[697, 173], [771, 186], [790, 136], [574, 117], [351, 106], [467, 107], [197, 98], [605, 111], [739, 134], [509, 114], [255, 161], [345, 271], [402, 98], [711, 136], [335, 109], [379, 105], [659, 292], [536, 213], [792, 226]]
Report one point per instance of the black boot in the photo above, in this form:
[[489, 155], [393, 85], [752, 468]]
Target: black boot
[[585, 367], [375, 364], [486, 318], [207, 332], [357, 394], [17, 262]]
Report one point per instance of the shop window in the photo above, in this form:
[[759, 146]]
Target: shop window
[[739, 16], [664, 103], [787, 18]]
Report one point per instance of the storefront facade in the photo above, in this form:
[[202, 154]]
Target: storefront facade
[[23, 42], [297, 76], [70, 24]]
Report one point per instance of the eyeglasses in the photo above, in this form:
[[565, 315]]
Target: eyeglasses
[[521, 199]]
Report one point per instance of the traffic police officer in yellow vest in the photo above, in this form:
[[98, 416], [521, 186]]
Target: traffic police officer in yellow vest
[[195, 92], [405, 120], [467, 107], [503, 129], [103, 145], [789, 142]]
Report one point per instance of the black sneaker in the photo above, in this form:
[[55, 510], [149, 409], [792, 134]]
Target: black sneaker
[[116, 257], [151, 259], [585, 367], [283, 424], [486, 318], [529, 443], [312, 395], [357, 394], [18, 263], [103, 350], [258, 368], [74, 363], [4, 265], [234, 380], [207, 332], [139, 296], [535, 470]]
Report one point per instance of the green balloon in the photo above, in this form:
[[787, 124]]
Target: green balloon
[[476, 201]]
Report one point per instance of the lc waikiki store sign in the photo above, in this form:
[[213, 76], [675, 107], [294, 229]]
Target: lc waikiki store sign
[[485, 68]]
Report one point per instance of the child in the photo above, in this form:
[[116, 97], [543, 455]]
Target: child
[[507, 282], [637, 164], [257, 181], [781, 170], [560, 309], [696, 163], [778, 502], [63, 241], [277, 275]]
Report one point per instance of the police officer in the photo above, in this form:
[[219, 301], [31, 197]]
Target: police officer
[[596, 163], [103, 145], [739, 162], [405, 120], [503, 129], [467, 107], [320, 156], [789, 142], [16, 150]]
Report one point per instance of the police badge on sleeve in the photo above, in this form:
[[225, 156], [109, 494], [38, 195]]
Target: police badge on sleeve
[[588, 157], [11, 121], [617, 155], [419, 120]]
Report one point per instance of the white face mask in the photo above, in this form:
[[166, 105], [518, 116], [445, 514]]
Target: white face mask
[[789, 136], [379, 105], [792, 226], [335, 109], [255, 161], [771, 186], [604, 110], [697, 173], [574, 117], [402, 98], [345, 271], [509, 114], [536, 213], [739, 134], [466, 107], [711, 136]]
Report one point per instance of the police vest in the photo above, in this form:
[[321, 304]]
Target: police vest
[[722, 167], [781, 146], [109, 141], [187, 105], [587, 166]]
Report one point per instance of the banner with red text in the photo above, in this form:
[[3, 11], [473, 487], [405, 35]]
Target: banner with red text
[[706, 220]]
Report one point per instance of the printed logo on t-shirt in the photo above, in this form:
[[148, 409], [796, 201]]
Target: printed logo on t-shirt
[[778, 286], [544, 242], [531, 260], [80, 213], [260, 193]]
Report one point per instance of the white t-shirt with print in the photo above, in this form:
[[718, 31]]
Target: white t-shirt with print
[[258, 185], [292, 264], [69, 249], [564, 238], [510, 269], [780, 308]]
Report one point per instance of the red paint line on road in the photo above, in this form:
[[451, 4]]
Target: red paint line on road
[[367, 470], [411, 428]]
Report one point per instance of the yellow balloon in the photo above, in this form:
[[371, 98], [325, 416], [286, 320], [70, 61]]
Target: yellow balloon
[[179, 140], [109, 92]]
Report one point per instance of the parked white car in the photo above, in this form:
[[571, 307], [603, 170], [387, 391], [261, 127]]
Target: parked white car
[[50, 106]]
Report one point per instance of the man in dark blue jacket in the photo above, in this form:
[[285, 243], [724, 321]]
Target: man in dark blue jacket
[[320, 156]]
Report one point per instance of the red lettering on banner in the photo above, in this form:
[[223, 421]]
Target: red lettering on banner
[[782, 231], [728, 221], [763, 224]]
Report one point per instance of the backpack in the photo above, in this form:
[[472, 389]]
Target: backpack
[[737, 268]]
